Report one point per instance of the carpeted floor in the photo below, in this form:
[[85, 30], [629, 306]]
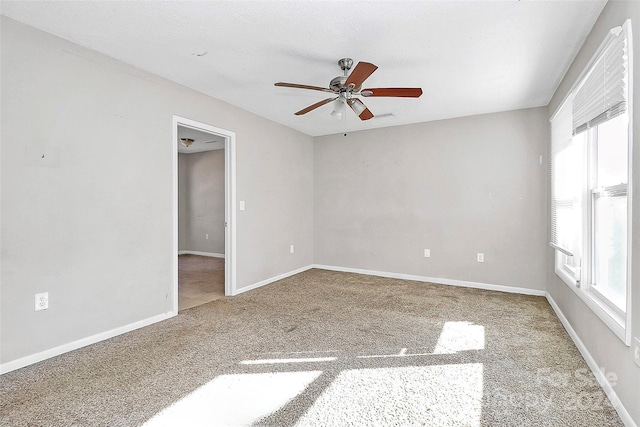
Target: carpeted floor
[[324, 348]]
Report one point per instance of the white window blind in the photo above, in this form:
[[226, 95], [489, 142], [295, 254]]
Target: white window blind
[[566, 179], [602, 94]]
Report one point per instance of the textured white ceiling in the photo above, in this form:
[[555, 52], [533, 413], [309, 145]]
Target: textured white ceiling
[[469, 57], [202, 141]]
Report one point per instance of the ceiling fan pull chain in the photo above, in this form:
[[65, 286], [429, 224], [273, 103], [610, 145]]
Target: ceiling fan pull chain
[[345, 123]]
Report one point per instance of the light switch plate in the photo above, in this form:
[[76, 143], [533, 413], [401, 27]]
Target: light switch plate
[[241, 205], [427, 253], [636, 351]]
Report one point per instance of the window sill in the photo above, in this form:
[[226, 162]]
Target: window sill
[[609, 317]]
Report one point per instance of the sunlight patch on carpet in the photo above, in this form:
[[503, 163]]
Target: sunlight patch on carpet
[[460, 336], [439, 395], [238, 399]]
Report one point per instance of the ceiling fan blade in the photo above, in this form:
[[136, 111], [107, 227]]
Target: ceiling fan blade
[[360, 74], [297, 86], [314, 106], [400, 92], [360, 109]]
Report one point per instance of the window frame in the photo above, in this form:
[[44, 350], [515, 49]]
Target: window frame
[[581, 281]]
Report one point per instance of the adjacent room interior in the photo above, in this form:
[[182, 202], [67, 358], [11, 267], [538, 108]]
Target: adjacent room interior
[[201, 217], [448, 237]]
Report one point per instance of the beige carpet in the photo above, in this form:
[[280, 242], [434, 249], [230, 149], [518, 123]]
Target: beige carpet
[[324, 348], [200, 280]]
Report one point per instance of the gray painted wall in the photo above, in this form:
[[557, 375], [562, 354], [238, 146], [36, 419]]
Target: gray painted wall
[[202, 201], [456, 187], [183, 193], [609, 352], [95, 228]]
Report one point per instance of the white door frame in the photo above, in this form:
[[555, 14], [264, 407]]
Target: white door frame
[[229, 205]]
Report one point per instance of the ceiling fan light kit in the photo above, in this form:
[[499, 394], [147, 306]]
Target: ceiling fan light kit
[[347, 86], [186, 142], [339, 108]]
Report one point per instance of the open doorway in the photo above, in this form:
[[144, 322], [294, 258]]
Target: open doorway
[[204, 237]]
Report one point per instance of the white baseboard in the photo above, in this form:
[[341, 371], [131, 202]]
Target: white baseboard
[[209, 254], [83, 342], [593, 365], [438, 280], [272, 279]]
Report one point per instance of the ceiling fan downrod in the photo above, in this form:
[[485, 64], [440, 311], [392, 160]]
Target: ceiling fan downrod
[[345, 64]]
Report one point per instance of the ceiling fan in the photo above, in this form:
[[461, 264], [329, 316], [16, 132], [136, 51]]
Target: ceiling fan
[[347, 86]]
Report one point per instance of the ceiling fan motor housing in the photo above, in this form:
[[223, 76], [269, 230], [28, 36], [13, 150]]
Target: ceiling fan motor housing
[[337, 84]]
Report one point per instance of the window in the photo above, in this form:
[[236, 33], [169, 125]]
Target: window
[[566, 202], [590, 197], [609, 206]]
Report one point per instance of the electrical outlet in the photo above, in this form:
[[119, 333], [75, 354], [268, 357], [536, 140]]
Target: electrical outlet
[[636, 351], [42, 301], [427, 253], [241, 205], [480, 257], [291, 249], [206, 236]]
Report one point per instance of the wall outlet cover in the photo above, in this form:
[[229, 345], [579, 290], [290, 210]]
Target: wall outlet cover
[[636, 351], [42, 301]]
